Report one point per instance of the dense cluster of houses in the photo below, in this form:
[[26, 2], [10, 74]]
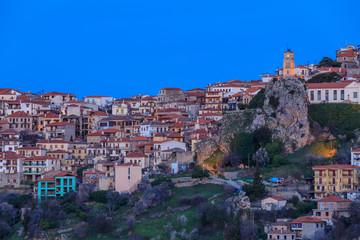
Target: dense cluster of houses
[[306, 227], [49, 138]]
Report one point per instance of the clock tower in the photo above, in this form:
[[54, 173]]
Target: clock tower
[[289, 63]]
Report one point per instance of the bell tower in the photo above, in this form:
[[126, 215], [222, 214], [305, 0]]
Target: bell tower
[[289, 63]]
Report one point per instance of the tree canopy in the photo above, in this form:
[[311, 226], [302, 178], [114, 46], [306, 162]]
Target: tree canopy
[[328, 62], [325, 77]]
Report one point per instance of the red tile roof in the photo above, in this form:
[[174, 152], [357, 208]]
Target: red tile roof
[[58, 93], [128, 165], [94, 171], [308, 219], [46, 179], [53, 141], [98, 113], [209, 115], [334, 199], [335, 166], [170, 88], [341, 84], [62, 174], [18, 114], [135, 154], [59, 124], [278, 198], [141, 138]]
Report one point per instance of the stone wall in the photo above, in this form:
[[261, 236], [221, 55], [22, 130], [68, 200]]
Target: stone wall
[[185, 157], [289, 190]]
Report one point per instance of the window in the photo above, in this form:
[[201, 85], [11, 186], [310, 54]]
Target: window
[[319, 95], [342, 95], [128, 177], [327, 95], [335, 94], [355, 94], [312, 97], [129, 171]]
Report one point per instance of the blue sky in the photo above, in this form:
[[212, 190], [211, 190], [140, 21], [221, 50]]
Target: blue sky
[[122, 48]]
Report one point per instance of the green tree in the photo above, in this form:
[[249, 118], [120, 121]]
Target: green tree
[[243, 145], [325, 77], [262, 136], [256, 190], [328, 62], [258, 100], [274, 148], [279, 160]]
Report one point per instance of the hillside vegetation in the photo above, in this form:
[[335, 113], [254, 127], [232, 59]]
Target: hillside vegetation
[[339, 118]]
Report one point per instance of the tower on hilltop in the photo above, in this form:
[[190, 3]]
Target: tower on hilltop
[[289, 63]]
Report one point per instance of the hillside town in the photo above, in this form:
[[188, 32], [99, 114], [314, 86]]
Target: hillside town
[[57, 143]]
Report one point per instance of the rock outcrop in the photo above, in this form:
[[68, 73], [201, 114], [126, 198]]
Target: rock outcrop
[[238, 202], [205, 149], [285, 112]]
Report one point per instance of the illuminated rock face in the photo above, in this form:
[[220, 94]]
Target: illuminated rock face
[[285, 112]]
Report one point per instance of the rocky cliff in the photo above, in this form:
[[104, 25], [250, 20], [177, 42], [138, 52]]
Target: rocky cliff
[[285, 112]]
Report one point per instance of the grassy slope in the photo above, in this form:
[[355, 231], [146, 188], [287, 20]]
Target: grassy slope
[[155, 227], [296, 166]]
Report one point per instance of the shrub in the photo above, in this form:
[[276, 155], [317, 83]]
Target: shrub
[[114, 200], [260, 157], [193, 201], [303, 208], [258, 100], [162, 179], [198, 173], [130, 221], [274, 102], [156, 195], [5, 229], [80, 230], [294, 200], [100, 222], [340, 118], [139, 207], [242, 106], [232, 160], [212, 215], [243, 145], [274, 148], [280, 160], [98, 196]]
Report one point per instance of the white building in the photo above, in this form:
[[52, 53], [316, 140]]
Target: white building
[[58, 99], [337, 92], [163, 151], [101, 101], [355, 157], [120, 109], [273, 203], [148, 128]]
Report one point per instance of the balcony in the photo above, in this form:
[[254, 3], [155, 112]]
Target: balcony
[[317, 175], [31, 172]]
